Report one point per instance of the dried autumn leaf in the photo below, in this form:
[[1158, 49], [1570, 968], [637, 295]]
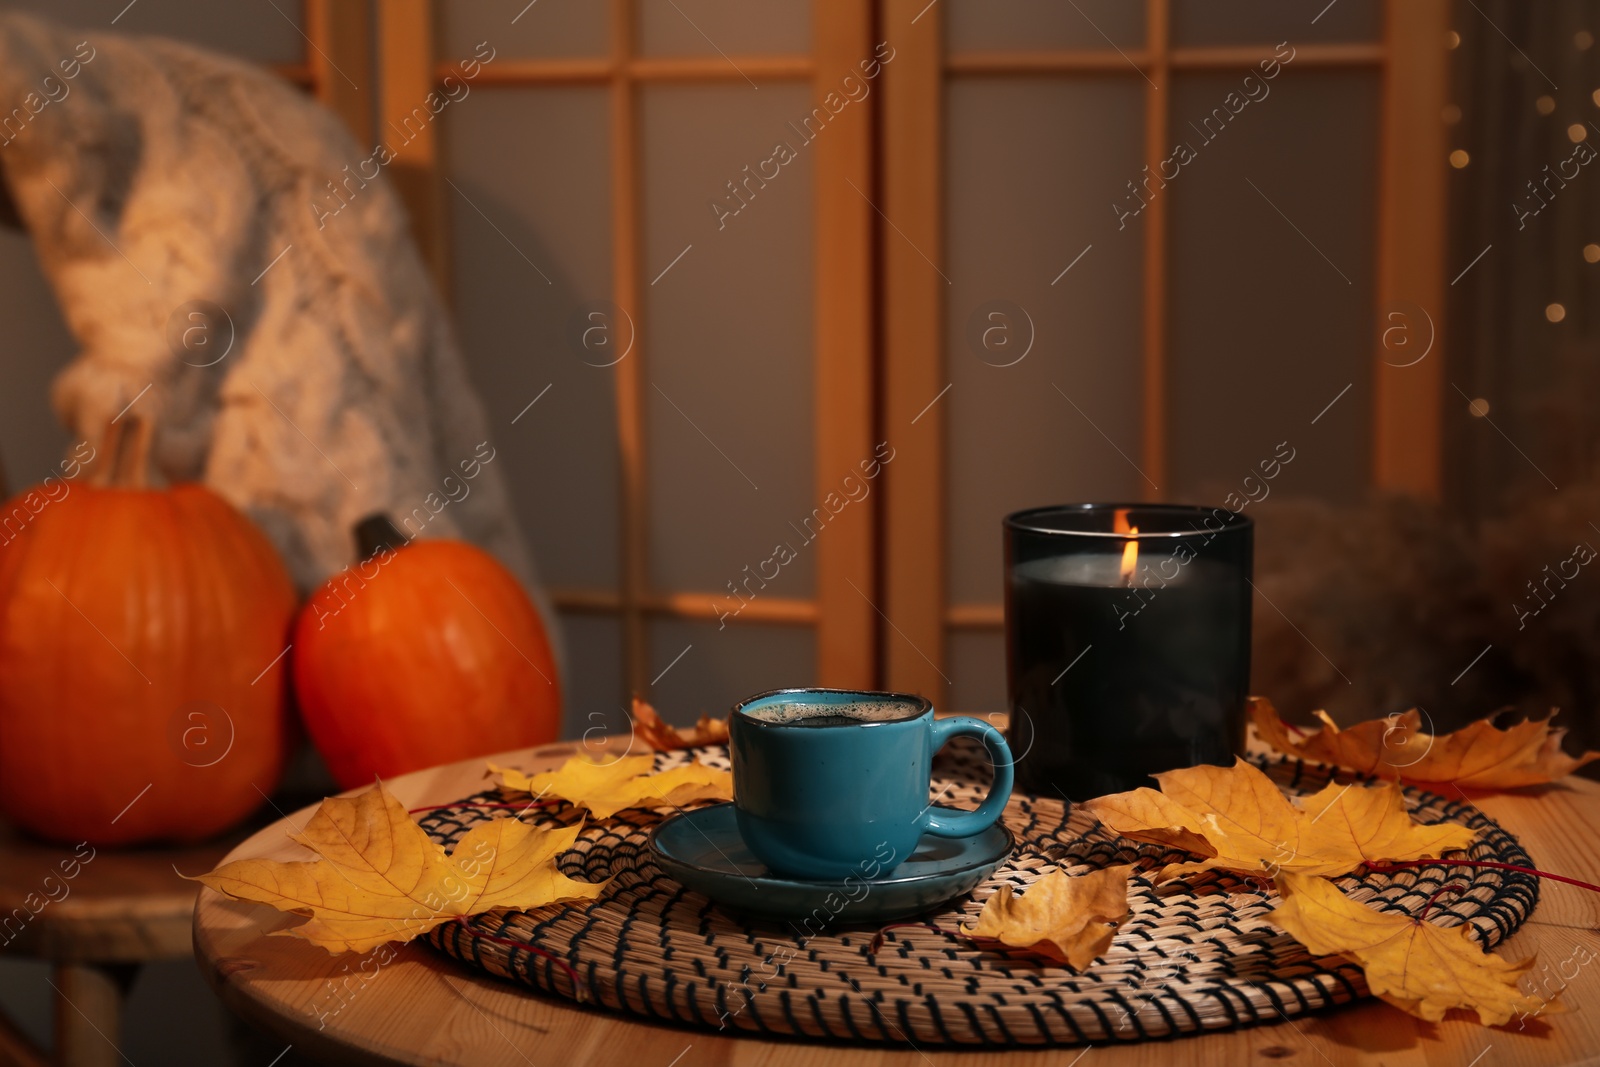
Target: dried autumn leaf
[[649, 729], [1480, 755], [1069, 920], [1418, 967], [1238, 820], [607, 788], [381, 878]]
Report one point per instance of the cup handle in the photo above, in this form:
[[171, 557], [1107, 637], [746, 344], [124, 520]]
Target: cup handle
[[967, 823]]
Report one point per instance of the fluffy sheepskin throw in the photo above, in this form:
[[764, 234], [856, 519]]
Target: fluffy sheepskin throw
[[1375, 608], [301, 366]]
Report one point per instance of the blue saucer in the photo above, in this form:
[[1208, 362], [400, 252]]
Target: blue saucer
[[702, 849]]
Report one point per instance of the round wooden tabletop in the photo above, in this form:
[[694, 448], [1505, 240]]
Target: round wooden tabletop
[[423, 1008]]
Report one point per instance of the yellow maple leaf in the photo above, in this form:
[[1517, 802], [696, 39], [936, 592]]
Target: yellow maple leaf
[[1238, 820], [381, 878], [1418, 967], [607, 788], [1069, 920], [1480, 755]]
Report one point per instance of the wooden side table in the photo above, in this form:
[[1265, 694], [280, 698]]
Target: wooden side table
[[423, 1008], [95, 915]]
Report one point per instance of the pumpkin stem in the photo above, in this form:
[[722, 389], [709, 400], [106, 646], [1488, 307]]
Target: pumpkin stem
[[376, 534], [127, 453]]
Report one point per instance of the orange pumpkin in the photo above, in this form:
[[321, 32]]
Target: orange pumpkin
[[423, 653], [142, 690]]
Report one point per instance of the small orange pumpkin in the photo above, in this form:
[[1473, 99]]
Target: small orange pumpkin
[[142, 688], [423, 653]]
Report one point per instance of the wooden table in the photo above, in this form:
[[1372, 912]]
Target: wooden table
[[96, 915], [426, 1009]]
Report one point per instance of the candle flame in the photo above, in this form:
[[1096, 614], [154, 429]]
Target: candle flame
[[1130, 551]]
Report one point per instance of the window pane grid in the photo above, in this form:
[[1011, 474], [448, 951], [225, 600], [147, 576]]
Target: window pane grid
[[919, 652], [625, 72], [914, 625]]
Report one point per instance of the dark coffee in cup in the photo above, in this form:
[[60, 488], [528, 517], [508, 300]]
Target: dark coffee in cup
[[809, 714]]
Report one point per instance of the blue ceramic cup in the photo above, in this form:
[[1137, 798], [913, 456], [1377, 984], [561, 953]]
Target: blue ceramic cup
[[829, 783]]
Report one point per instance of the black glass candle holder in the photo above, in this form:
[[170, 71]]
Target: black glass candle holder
[[1127, 642]]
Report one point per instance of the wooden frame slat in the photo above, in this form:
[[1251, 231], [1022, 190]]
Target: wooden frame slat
[[1146, 60], [703, 606], [1407, 403], [513, 72], [342, 33], [299, 74], [1057, 61], [405, 45], [975, 616], [847, 588], [1226, 57], [1153, 436], [626, 293], [913, 302], [600, 71]]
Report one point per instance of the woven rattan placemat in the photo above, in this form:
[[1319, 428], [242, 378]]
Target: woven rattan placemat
[[1197, 954]]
